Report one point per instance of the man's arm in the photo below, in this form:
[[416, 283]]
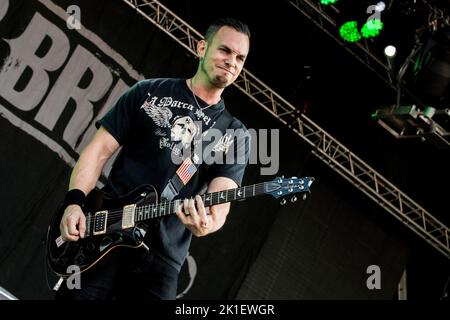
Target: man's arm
[[84, 177], [202, 221], [218, 213]]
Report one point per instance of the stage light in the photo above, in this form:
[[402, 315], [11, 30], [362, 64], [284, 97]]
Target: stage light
[[390, 51], [327, 2], [432, 72], [349, 31], [372, 28], [359, 20]]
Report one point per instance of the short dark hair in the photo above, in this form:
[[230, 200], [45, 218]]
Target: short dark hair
[[228, 22]]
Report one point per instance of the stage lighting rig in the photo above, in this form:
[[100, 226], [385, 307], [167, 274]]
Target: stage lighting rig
[[409, 121]]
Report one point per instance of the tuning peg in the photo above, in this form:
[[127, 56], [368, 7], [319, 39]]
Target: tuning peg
[[293, 199], [283, 202]]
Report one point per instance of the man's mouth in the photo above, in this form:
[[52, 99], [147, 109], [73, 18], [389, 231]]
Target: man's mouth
[[228, 70]]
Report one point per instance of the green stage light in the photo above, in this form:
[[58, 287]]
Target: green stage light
[[327, 2], [349, 31], [372, 28]]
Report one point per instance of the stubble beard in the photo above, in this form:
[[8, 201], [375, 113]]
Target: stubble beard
[[217, 81]]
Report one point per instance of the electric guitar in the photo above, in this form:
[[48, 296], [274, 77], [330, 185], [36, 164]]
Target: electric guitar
[[122, 222]]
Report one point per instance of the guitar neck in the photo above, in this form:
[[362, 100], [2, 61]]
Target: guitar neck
[[149, 211], [130, 214]]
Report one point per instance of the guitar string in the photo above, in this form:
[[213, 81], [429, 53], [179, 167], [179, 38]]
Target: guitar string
[[117, 214]]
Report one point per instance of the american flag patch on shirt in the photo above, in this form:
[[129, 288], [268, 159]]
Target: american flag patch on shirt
[[186, 170]]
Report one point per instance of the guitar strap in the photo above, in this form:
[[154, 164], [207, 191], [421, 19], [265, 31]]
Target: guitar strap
[[189, 166]]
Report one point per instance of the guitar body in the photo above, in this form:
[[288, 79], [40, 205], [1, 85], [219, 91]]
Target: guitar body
[[86, 252]]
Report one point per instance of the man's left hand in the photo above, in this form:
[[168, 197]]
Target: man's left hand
[[195, 216]]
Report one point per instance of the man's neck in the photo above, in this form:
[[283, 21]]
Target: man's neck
[[208, 93]]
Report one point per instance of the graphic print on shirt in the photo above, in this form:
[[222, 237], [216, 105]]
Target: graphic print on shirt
[[224, 143], [160, 116], [184, 131]]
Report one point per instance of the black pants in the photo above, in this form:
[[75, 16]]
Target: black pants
[[125, 274]]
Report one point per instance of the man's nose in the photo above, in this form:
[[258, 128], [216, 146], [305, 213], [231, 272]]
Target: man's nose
[[230, 62]]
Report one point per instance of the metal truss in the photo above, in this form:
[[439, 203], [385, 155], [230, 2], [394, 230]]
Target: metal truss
[[324, 17], [325, 147]]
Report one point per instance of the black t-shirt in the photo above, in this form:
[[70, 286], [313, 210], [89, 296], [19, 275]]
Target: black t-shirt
[[152, 122]]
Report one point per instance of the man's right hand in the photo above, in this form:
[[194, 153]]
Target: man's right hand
[[73, 223]]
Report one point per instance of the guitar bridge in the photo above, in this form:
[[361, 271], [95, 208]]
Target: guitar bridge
[[100, 219]]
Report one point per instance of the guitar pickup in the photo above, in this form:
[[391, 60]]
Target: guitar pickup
[[100, 219], [128, 216]]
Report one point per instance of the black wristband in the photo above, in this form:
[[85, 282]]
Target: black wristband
[[74, 196]]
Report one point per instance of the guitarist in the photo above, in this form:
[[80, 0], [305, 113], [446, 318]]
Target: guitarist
[[153, 121]]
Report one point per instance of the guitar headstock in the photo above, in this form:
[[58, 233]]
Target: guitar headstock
[[281, 187]]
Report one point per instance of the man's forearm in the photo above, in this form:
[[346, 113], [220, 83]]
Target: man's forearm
[[92, 160], [219, 212], [86, 171], [218, 216]]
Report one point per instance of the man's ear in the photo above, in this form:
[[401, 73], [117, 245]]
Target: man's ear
[[201, 48]]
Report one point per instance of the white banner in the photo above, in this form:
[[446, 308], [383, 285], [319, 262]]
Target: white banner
[[58, 77]]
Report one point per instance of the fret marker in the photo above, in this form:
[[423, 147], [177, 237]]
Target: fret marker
[[222, 196], [239, 193], [207, 199]]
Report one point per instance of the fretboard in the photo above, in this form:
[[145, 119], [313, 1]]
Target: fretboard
[[149, 211]]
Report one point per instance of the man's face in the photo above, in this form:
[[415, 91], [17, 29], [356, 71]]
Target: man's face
[[224, 56]]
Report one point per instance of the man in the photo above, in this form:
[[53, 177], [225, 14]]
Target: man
[[147, 121]]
